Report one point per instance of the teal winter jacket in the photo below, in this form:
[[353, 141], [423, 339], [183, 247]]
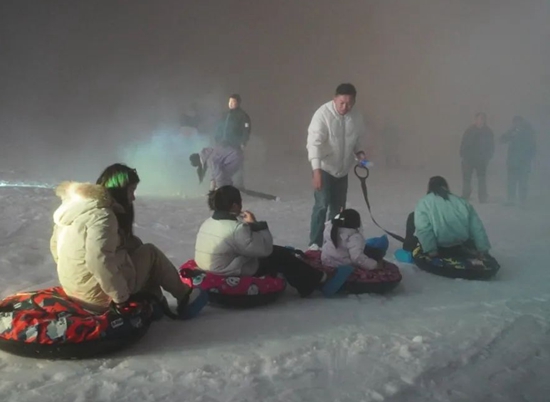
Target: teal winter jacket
[[446, 223]]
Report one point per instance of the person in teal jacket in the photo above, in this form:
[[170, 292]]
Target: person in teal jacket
[[446, 224]]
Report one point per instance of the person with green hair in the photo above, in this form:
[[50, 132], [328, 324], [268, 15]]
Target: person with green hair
[[100, 262]]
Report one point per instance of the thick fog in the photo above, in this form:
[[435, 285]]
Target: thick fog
[[84, 84]]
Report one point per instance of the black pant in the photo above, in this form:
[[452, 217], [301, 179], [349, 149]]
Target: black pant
[[411, 241], [517, 183], [467, 172], [297, 272]]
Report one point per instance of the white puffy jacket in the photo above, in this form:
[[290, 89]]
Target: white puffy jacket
[[229, 247], [333, 139], [351, 244]]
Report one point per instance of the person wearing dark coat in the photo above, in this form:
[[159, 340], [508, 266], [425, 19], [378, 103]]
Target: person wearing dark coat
[[233, 133], [476, 150]]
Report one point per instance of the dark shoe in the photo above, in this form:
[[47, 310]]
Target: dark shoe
[[196, 161]]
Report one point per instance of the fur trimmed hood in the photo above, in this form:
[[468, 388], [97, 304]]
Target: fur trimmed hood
[[80, 198], [69, 190]]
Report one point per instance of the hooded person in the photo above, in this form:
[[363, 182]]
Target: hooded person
[[99, 260]]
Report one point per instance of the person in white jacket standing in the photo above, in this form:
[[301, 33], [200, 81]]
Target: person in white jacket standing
[[333, 145]]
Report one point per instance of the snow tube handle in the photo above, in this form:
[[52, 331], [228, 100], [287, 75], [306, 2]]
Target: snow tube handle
[[361, 168]]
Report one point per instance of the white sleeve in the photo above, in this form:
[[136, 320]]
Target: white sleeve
[[356, 245], [253, 240], [316, 138], [361, 133]]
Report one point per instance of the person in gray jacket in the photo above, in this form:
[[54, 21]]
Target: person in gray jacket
[[233, 243]]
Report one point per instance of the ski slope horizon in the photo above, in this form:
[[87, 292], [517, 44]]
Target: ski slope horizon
[[432, 339]]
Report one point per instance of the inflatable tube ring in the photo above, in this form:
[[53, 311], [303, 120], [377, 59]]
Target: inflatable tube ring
[[48, 324], [233, 291], [361, 280]]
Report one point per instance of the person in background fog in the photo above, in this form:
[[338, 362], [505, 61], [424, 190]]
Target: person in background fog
[[476, 150], [234, 132], [190, 118], [333, 144], [521, 151]]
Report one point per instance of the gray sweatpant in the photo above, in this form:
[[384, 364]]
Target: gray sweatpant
[[223, 162]]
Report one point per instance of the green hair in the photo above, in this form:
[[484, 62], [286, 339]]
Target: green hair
[[116, 179], [118, 176]]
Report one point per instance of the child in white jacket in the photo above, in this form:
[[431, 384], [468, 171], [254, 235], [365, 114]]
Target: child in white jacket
[[344, 244]]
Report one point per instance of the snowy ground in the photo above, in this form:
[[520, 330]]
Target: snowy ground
[[433, 339]]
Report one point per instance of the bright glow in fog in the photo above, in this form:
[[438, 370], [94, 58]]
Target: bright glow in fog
[[163, 163], [4, 183]]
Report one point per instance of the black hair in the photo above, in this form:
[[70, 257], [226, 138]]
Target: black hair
[[223, 198], [438, 186], [346, 89], [348, 218], [237, 97], [116, 179], [518, 120]]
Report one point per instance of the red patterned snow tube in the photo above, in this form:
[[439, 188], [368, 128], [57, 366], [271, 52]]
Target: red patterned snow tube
[[48, 324], [362, 280], [233, 291]]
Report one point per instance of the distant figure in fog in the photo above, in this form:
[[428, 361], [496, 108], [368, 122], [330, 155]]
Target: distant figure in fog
[[476, 150], [521, 152], [233, 132], [333, 144], [390, 138], [190, 118]]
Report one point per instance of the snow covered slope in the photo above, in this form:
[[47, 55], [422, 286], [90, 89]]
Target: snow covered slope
[[433, 339]]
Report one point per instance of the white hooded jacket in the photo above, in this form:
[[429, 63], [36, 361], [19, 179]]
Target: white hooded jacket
[[232, 248], [333, 139]]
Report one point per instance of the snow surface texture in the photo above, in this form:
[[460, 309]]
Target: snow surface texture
[[432, 339]]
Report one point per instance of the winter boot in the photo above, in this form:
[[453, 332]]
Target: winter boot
[[190, 306]]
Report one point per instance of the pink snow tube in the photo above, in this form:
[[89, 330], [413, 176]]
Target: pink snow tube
[[361, 280], [233, 291]]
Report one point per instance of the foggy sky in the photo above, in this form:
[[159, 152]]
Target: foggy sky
[[93, 75]]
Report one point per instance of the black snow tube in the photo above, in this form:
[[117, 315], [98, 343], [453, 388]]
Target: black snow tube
[[457, 268]]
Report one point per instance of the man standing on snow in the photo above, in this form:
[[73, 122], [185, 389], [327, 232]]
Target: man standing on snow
[[234, 132], [333, 146], [476, 150]]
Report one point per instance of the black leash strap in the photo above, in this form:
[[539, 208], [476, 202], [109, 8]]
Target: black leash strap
[[363, 179]]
